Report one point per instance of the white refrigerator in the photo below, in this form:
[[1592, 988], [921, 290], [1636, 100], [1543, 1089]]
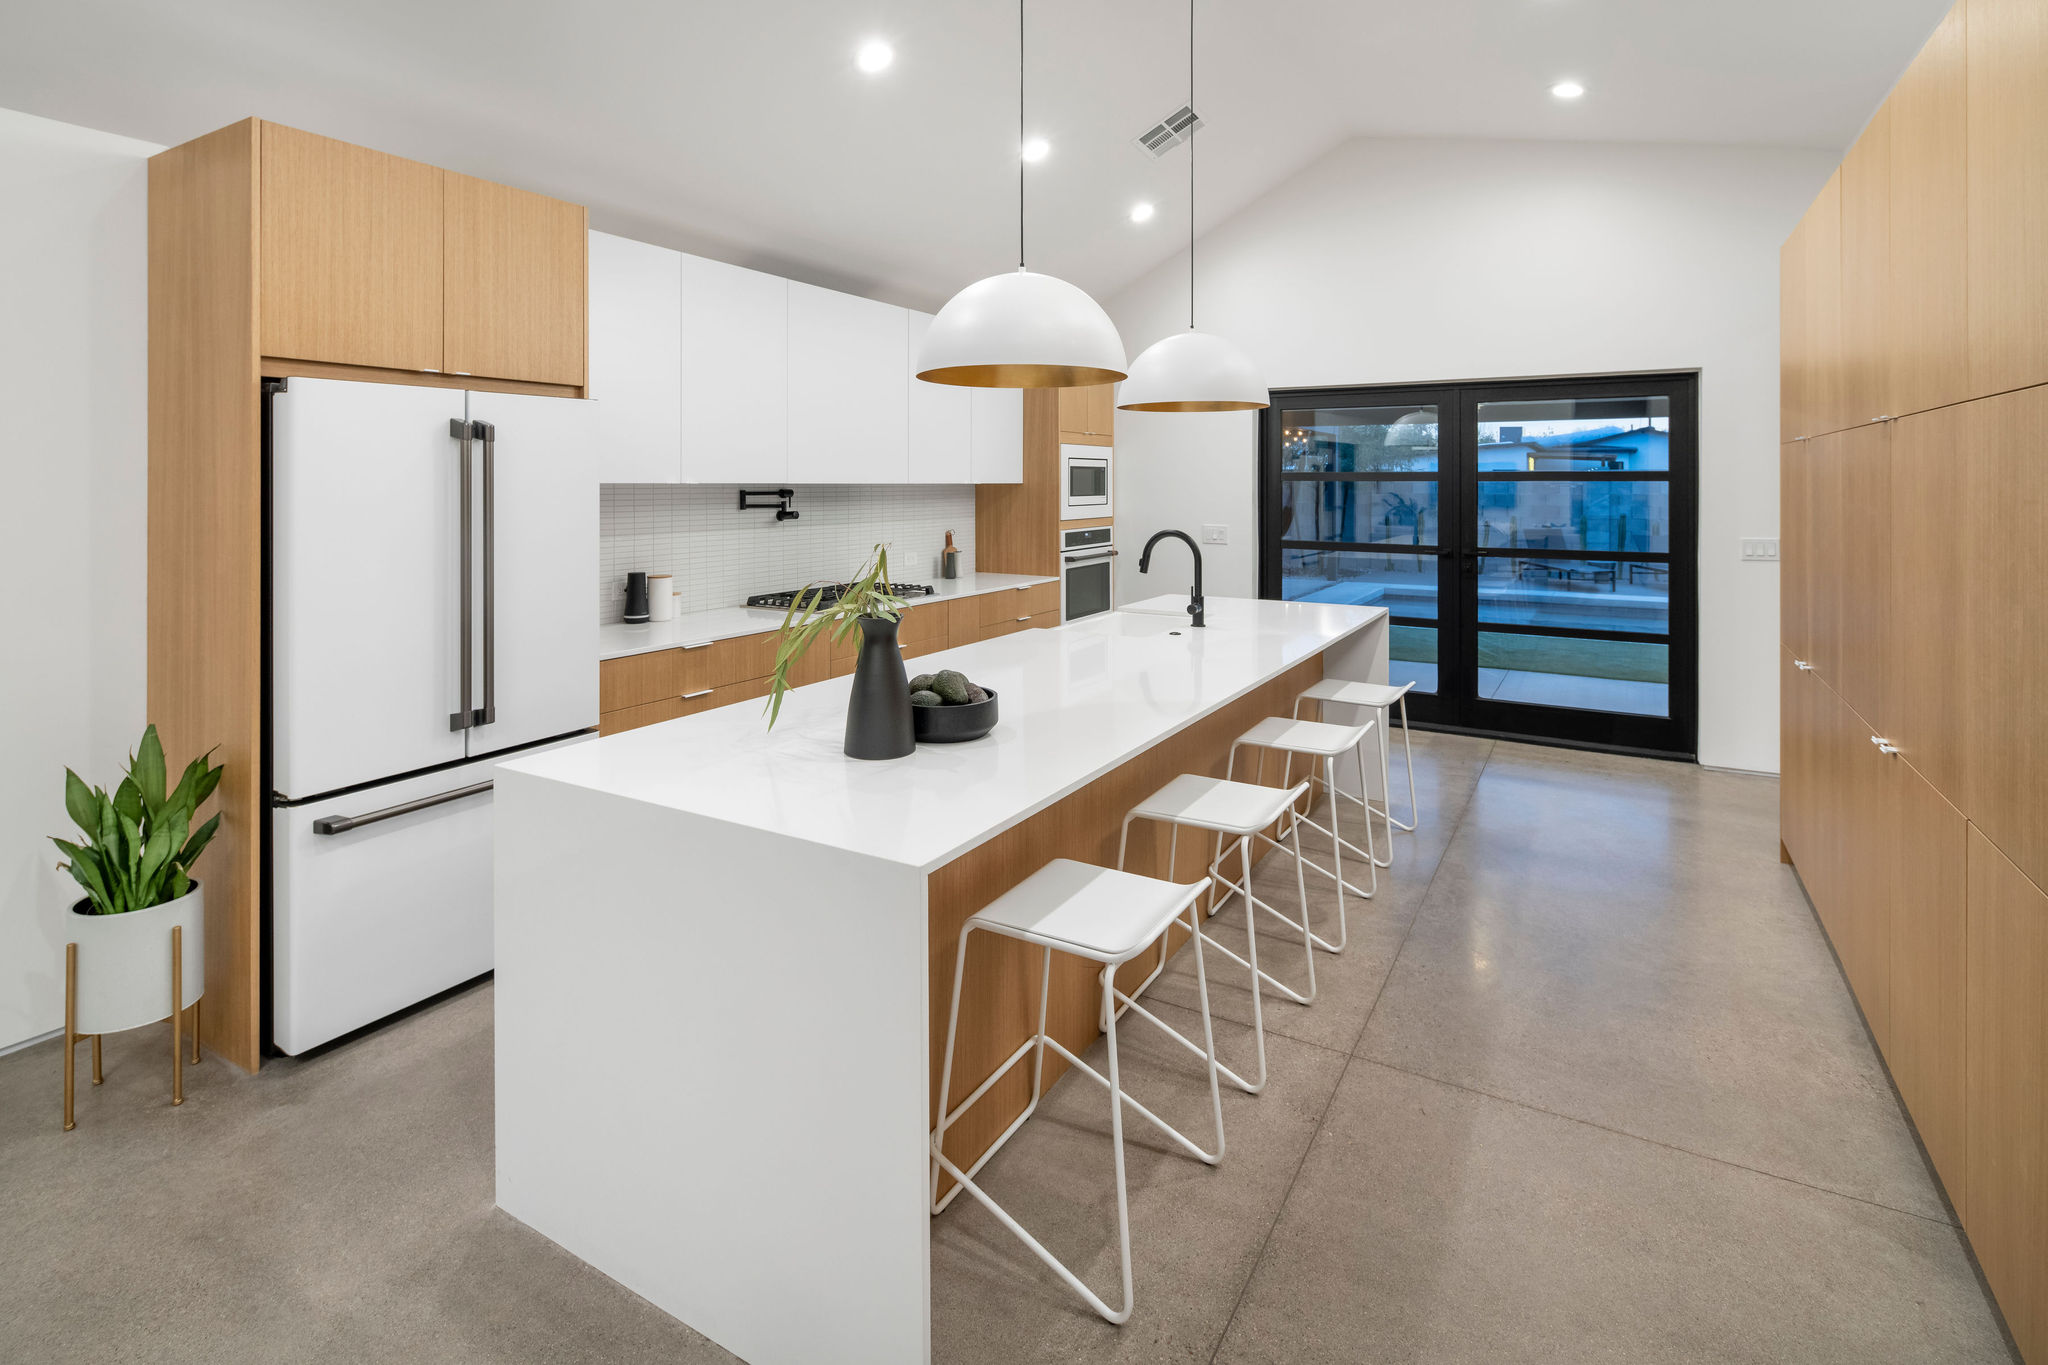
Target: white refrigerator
[[431, 554]]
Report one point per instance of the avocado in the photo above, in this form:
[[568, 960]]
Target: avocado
[[921, 683], [926, 697], [951, 686], [976, 693]]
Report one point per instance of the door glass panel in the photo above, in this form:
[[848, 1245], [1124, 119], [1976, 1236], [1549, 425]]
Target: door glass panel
[[1404, 584], [1570, 514], [1564, 434], [1361, 511], [1411, 656], [1580, 674], [1575, 594], [1357, 440]]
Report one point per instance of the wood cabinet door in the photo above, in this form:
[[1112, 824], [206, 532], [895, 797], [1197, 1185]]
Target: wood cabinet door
[[1862, 578], [636, 362], [1929, 538], [1929, 960], [848, 394], [1794, 363], [515, 283], [1794, 535], [1865, 796], [2004, 606], [1824, 391], [2006, 74], [1825, 460], [1928, 341], [1088, 411], [1828, 806], [351, 254], [1866, 275], [2005, 1208], [1795, 760], [735, 374]]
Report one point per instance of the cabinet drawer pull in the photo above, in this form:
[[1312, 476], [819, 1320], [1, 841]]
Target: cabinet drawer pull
[[701, 644], [1802, 665], [1023, 618], [1884, 746], [692, 696], [342, 824]]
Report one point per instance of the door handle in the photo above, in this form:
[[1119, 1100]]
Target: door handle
[[342, 824], [489, 432], [1884, 746], [463, 717], [1802, 665]]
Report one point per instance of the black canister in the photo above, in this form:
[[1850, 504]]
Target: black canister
[[636, 598]]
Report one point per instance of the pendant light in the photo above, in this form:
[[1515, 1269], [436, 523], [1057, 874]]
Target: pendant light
[[1021, 330], [1192, 371]]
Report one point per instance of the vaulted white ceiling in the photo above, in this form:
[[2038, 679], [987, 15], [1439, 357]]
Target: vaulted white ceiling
[[743, 130]]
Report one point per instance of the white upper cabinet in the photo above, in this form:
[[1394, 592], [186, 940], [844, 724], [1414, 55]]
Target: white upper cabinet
[[997, 430], [735, 375], [941, 419], [636, 359], [848, 404]]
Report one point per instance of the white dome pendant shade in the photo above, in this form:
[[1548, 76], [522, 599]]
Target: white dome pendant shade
[[1021, 330], [1193, 372]]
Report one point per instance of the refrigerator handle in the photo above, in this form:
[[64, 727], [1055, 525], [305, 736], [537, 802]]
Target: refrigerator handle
[[489, 432], [461, 719]]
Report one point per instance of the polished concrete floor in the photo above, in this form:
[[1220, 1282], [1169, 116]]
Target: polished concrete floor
[[1585, 1085]]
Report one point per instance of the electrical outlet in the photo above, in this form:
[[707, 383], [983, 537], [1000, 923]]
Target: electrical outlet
[[1759, 548], [1215, 535]]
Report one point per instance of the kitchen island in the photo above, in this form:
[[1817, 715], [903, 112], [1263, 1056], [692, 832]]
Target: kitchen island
[[721, 952]]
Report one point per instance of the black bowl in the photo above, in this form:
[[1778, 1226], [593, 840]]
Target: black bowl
[[954, 724]]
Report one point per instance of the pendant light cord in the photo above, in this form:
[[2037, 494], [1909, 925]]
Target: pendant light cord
[[1192, 121], [1020, 133]]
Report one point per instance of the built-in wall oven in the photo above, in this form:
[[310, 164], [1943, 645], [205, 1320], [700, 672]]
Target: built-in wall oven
[[1087, 571], [1085, 483]]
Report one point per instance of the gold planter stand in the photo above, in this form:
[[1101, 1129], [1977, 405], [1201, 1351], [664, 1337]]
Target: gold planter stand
[[72, 1037]]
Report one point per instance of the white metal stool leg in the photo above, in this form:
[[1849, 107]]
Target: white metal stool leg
[[1112, 1082], [1386, 810], [1328, 779], [1407, 753]]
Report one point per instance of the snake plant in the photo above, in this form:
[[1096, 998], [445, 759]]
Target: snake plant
[[139, 842], [808, 618]]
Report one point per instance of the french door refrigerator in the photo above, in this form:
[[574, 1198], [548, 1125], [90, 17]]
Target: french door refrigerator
[[430, 559]]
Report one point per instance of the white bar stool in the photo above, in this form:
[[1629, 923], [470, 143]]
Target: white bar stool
[[1106, 916], [1315, 739], [1380, 698], [1242, 810]]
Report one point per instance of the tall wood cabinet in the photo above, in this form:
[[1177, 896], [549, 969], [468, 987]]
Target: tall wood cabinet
[[278, 252], [1914, 407]]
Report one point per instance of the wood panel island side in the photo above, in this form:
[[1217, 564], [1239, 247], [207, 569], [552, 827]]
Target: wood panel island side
[[724, 953]]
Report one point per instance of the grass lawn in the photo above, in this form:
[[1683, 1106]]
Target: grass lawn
[[1623, 659]]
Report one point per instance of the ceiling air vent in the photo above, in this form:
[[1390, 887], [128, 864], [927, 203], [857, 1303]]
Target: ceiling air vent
[[1176, 128]]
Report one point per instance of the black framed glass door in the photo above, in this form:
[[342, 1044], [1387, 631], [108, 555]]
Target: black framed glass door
[[1532, 541]]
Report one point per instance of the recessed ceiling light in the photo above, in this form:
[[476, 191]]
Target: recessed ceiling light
[[1035, 149], [874, 56], [1567, 90], [1142, 213]]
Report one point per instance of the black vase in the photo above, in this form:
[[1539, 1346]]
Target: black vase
[[878, 721]]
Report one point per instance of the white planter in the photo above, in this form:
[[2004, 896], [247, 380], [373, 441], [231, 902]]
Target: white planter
[[124, 963]]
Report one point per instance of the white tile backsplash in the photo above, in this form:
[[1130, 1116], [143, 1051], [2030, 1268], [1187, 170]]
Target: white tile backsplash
[[720, 555]]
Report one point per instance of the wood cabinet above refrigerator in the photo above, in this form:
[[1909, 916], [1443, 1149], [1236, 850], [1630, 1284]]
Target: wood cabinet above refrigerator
[[374, 261]]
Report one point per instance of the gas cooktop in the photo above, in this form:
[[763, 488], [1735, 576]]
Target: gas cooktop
[[781, 601]]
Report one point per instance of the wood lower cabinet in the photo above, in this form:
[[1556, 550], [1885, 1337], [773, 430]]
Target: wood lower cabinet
[[1928, 842], [351, 254], [2002, 603], [2005, 1209], [1017, 604], [515, 282]]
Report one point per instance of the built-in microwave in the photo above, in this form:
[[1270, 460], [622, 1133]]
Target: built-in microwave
[[1087, 571], [1085, 484]]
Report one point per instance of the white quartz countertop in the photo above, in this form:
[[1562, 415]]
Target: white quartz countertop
[[1075, 701], [701, 627]]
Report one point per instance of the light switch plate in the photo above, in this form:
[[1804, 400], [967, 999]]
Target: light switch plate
[[1759, 548], [1215, 535]]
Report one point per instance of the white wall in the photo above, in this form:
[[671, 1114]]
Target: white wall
[[1414, 260], [73, 514]]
